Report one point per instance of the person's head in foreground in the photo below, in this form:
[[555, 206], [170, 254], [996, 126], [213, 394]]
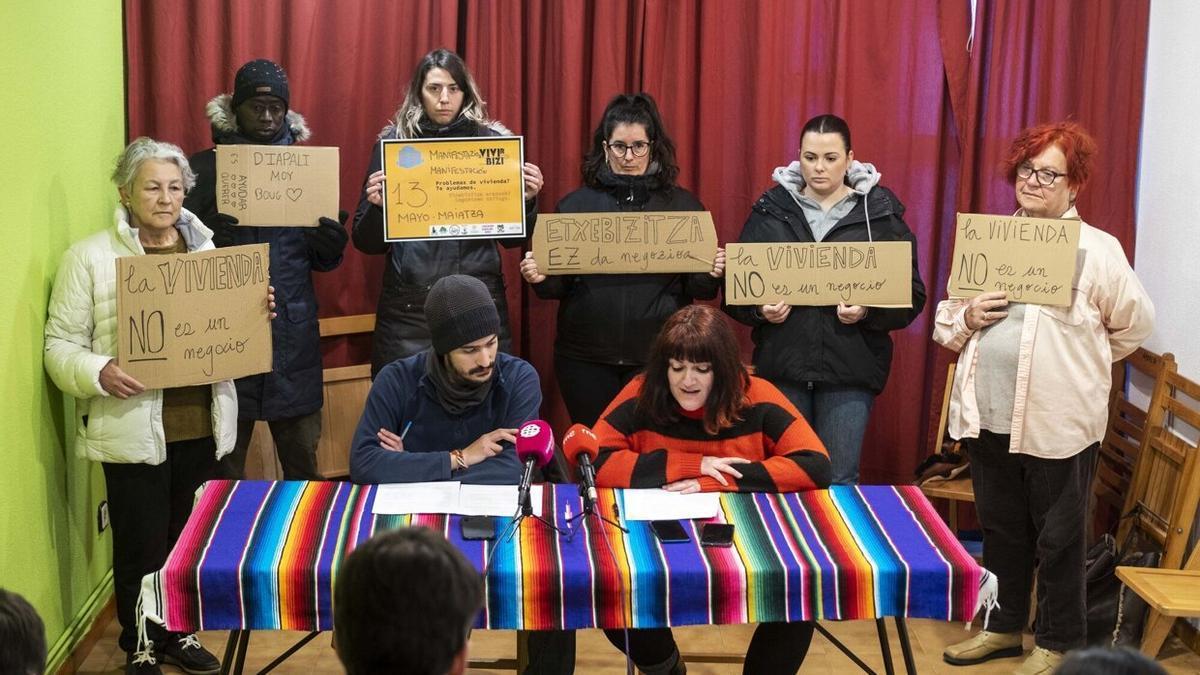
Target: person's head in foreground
[[695, 365], [1105, 661], [404, 603], [22, 636], [1048, 165], [464, 326]]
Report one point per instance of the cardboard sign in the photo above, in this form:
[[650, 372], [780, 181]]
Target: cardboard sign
[[277, 185], [193, 318], [1033, 259], [623, 243], [877, 274], [453, 188]]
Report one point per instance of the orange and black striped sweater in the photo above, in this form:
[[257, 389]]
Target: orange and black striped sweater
[[785, 453]]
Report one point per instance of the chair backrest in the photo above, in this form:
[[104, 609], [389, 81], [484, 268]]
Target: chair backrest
[[1127, 426], [1165, 490], [346, 390]]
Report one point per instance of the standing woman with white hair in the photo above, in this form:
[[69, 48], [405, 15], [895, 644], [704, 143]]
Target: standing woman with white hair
[[157, 446]]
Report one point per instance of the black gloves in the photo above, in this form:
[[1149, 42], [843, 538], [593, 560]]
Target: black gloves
[[328, 239], [223, 228]]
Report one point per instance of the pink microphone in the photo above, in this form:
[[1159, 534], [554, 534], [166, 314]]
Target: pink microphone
[[535, 447]]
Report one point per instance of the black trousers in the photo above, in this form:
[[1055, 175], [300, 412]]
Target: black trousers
[[775, 649], [1034, 512], [148, 506], [295, 445], [587, 387]]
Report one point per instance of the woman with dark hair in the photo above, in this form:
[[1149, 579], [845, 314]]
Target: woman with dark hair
[[830, 361], [697, 420], [441, 101], [606, 321], [1030, 403]]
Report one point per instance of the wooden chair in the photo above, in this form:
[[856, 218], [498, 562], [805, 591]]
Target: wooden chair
[[956, 489], [1126, 431], [346, 390], [1162, 501]]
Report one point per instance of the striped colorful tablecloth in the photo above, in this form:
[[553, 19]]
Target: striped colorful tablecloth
[[264, 555]]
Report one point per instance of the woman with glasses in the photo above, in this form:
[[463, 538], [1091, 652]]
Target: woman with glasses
[[441, 101], [1030, 403], [606, 322], [829, 361]]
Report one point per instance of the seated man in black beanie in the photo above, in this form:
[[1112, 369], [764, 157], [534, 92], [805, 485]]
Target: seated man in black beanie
[[451, 412], [290, 396], [404, 603]]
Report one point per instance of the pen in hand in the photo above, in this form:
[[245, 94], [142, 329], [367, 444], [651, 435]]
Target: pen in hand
[[390, 441]]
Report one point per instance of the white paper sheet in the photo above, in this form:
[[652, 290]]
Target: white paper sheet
[[438, 497], [659, 504], [495, 500], [452, 497]]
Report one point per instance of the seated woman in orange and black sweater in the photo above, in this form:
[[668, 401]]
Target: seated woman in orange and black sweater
[[698, 421]]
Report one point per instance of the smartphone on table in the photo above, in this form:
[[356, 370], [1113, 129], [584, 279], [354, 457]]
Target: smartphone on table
[[669, 531], [478, 527], [717, 534]]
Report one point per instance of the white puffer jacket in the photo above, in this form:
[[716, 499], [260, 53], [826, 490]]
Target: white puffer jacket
[[81, 338]]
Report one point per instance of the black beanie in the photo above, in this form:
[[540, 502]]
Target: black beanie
[[259, 77], [460, 310]]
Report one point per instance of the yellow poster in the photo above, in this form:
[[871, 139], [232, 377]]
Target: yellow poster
[[453, 188]]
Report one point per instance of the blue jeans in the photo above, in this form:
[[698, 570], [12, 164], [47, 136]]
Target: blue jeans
[[838, 414]]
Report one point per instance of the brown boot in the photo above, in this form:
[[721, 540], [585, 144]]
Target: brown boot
[[985, 646]]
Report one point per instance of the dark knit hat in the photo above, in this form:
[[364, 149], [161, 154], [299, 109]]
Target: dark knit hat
[[259, 77], [460, 310]]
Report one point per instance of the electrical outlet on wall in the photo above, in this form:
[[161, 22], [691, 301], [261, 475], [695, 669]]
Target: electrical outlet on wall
[[102, 517]]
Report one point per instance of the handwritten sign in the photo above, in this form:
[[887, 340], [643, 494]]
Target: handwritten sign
[[193, 318], [623, 243], [878, 274], [456, 188], [1033, 259], [277, 185]]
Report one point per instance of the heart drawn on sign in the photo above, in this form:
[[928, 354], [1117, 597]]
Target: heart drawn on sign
[[294, 193]]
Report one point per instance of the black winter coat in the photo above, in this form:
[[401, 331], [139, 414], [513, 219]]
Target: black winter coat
[[414, 266], [614, 318], [293, 387], [811, 345]]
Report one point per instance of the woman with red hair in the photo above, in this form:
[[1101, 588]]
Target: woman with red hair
[[1030, 401], [697, 420]]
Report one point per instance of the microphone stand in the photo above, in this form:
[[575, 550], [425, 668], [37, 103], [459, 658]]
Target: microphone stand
[[576, 521], [525, 510], [589, 502]]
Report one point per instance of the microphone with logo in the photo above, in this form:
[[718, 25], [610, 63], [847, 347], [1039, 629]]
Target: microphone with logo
[[581, 447], [535, 449]]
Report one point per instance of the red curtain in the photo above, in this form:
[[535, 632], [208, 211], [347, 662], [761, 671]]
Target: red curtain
[[735, 81]]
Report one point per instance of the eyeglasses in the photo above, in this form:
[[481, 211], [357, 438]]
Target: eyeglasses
[[639, 148], [1045, 177]]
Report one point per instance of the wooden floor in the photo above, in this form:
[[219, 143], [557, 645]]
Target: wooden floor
[[596, 655]]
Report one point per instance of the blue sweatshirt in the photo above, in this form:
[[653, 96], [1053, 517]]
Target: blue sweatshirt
[[402, 393]]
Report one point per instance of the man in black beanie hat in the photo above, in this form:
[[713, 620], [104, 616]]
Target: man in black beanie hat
[[452, 411], [289, 397]]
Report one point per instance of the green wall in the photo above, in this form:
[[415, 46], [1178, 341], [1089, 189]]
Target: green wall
[[62, 123]]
